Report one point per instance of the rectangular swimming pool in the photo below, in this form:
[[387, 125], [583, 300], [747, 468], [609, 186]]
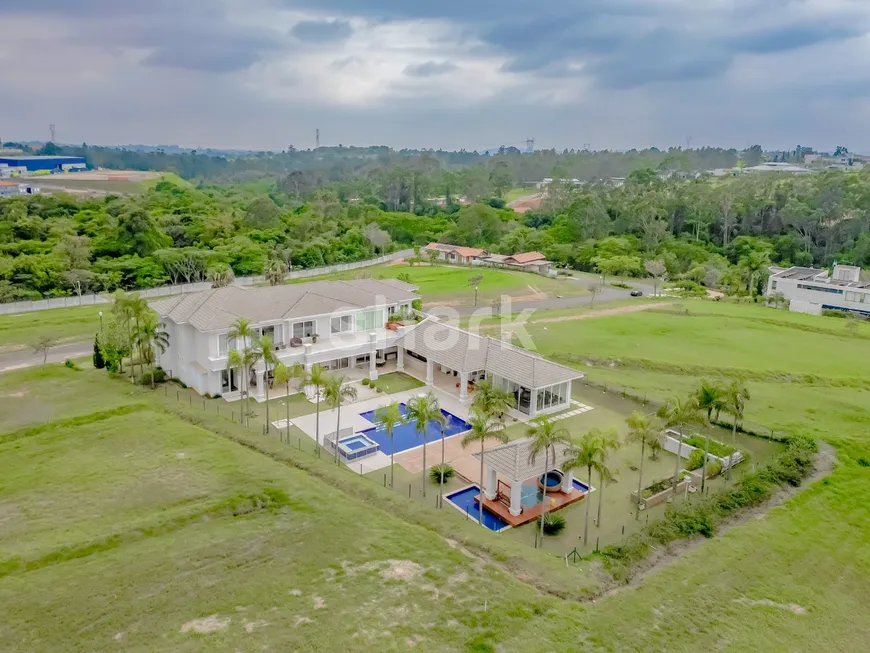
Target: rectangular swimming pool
[[464, 500], [405, 435]]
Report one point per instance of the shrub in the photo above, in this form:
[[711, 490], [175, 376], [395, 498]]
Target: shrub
[[714, 447], [69, 364], [441, 472], [99, 361], [714, 468], [619, 284], [366, 381], [380, 390], [159, 377], [554, 523], [696, 460], [864, 462]]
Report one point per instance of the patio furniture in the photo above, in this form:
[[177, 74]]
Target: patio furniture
[[295, 342]]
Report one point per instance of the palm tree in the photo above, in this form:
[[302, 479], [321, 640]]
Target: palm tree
[[491, 400], [640, 429], [128, 309], [736, 396], [266, 353], [545, 436], [243, 361], [588, 453], [337, 393], [483, 427], [389, 417], [609, 442], [283, 375], [236, 362], [678, 413], [441, 421], [242, 333], [317, 377], [151, 335], [421, 410], [710, 398]]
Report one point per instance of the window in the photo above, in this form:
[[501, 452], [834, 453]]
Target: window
[[835, 291], [368, 320], [303, 329], [342, 324], [222, 344], [773, 285], [857, 297]]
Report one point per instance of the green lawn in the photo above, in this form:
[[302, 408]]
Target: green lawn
[[21, 330], [517, 193]]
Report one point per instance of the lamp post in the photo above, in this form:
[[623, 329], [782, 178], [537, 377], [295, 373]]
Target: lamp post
[[101, 322]]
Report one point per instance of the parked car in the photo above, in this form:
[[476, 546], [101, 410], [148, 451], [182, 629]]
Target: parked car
[[637, 293]]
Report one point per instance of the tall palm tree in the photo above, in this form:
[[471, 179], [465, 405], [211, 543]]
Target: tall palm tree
[[243, 361], [711, 397], [736, 396], [545, 436], [128, 310], [588, 453], [491, 400], [317, 377], [243, 335], [640, 429], [389, 417], [609, 442], [677, 414], [337, 393], [152, 335], [283, 376], [266, 353], [483, 428], [441, 421], [421, 410], [236, 362]]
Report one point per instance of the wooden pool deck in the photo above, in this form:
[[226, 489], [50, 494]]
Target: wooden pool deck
[[557, 501]]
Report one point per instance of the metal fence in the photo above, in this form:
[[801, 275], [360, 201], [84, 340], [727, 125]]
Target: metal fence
[[180, 289]]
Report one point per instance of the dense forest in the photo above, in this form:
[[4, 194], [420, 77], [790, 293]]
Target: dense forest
[[718, 232]]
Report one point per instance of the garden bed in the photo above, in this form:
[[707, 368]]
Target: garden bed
[[662, 490]]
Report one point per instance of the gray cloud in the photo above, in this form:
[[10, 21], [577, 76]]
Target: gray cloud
[[321, 31], [430, 69]]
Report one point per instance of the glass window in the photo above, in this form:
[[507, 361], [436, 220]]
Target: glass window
[[222, 344], [342, 324], [303, 329], [367, 320]]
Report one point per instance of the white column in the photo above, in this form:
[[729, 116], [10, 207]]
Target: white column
[[261, 389], [463, 386], [533, 403], [568, 482], [400, 359], [516, 498], [373, 357], [490, 479], [306, 359], [430, 372]]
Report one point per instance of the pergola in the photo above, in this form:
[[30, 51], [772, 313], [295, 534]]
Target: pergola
[[511, 461]]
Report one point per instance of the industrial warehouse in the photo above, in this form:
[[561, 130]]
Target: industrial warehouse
[[22, 165]]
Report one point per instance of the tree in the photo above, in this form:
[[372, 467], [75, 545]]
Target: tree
[[492, 401], [265, 350], [388, 418], [594, 288], [483, 428], [641, 429], [545, 436], [130, 308], [736, 396], [275, 272], [99, 361], [589, 453], [336, 392], [421, 410], [263, 213], [220, 275], [151, 335], [710, 397], [474, 282], [317, 377], [283, 376], [678, 413], [657, 270], [43, 346], [242, 336]]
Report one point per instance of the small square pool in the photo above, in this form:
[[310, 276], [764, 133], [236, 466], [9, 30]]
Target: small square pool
[[355, 447]]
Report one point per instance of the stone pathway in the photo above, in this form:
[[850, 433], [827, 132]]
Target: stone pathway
[[581, 408]]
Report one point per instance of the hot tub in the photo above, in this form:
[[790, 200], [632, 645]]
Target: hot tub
[[551, 481], [356, 446]]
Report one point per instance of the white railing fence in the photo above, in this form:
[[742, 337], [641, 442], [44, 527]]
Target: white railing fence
[[180, 289]]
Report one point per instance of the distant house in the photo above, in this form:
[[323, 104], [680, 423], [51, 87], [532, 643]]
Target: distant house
[[456, 253], [810, 290], [526, 261]]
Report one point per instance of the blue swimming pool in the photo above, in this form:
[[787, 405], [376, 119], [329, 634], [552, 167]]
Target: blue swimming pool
[[405, 435], [354, 447], [464, 500], [531, 494]]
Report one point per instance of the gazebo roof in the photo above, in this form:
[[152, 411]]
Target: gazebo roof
[[512, 459]]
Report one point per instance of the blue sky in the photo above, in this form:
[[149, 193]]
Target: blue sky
[[455, 73]]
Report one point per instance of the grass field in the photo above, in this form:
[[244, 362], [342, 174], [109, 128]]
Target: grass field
[[517, 193], [21, 330], [245, 543]]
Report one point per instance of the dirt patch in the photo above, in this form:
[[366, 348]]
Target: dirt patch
[[251, 626], [14, 395], [296, 592], [526, 202], [602, 313], [401, 570], [301, 621], [825, 460], [793, 607], [206, 625], [319, 603]]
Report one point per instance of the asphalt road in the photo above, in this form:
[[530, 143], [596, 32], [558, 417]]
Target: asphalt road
[[27, 358]]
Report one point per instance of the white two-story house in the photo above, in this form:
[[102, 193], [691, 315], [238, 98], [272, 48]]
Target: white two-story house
[[338, 324]]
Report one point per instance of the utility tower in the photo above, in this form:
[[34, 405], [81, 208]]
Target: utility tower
[[51, 131], [316, 138], [530, 145]]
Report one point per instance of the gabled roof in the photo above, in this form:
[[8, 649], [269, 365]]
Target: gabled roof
[[527, 257], [466, 352], [511, 460], [218, 308], [457, 249]]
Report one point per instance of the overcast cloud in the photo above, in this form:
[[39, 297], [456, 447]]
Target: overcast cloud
[[455, 73]]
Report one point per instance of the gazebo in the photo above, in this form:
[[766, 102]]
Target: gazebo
[[508, 491]]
